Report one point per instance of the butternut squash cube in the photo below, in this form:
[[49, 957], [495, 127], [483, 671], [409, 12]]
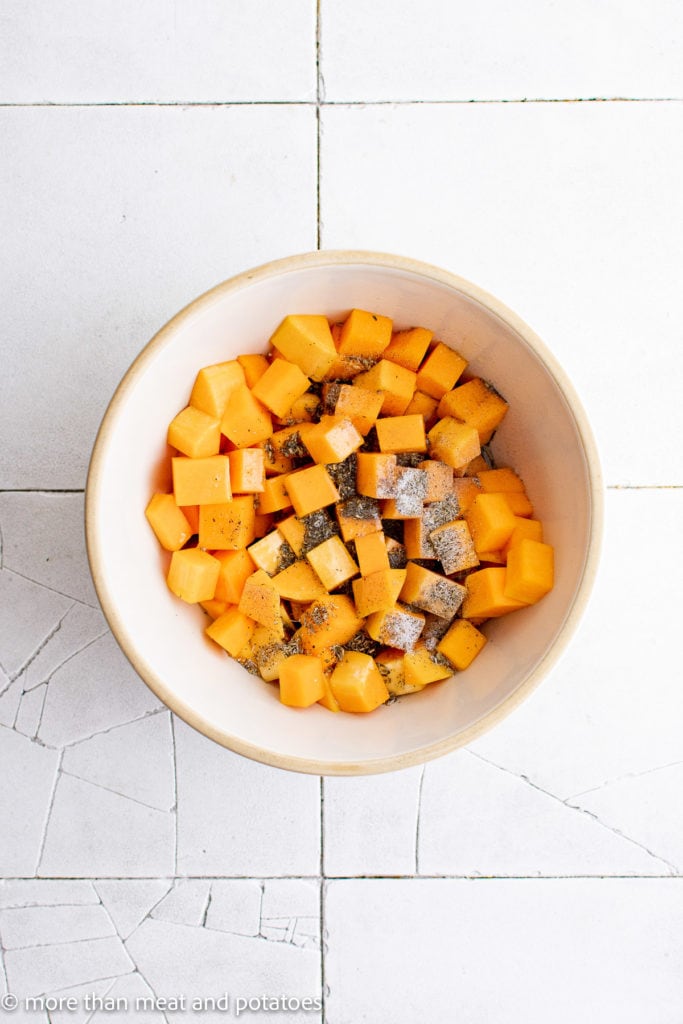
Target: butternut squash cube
[[306, 340], [519, 503], [391, 666], [364, 334], [420, 667], [299, 582], [378, 591], [371, 552], [477, 465], [247, 470], [302, 682], [333, 439], [168, 522], [411, 488], [267, 552], [269, 653], [397, 383], [486, 595], [294, 532], [529, 571], [274, 461], [245, 421], [214, 608], [407, 348], [260, 601], [431, 592], [329, 700], [376, 474], [396, 627], [357, 683], [281, 384], [254, 365], [425, 406], [492, 558], [491, 522], [213, 386], [439, 479], [330, 620], [231, 631], [263, 523], [402, 433], [303, 409], [357, 404], [201, 481], [502, 481], [191, 513], [346, 367], [453, 442], [465, 490], [454, 547], [192, 575], [310, 489], [275, 496], [357, 518], [235, 569], [440, 370], [461, 644], [332, 563], [417, 540], [194, 433], [228, 526], [477, 404], [530, 528]]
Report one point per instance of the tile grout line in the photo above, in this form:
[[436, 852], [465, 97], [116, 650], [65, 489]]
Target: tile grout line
[[183, 104]]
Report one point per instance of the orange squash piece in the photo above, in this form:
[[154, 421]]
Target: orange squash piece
[[332, 563], [376, 474], [461, 644], [213, 386], [260, 601], [357, 684], [364, 334], [302, 682], [453, 442], [485, 597], [401, 434], [530, 528], [420, 668], [227, 526], [192, 575], [440, 370], [357, 404], [281, 384], [306, 340], [194, 433], [431, 592], [476, 403], [311, 489], [328, 621], [247, 470], [169, 523], [530, 571], [397, 383], [396, 627], [231, 631], [254, 365], [245, 421], [371, 551], [331, 440], [408, 348], [201, 481], [491, 522]]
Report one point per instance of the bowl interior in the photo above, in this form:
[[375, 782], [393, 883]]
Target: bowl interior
[[163, 637]]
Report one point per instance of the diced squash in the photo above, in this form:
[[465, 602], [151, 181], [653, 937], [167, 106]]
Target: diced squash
[[346, 367], [294, 531], [310, 489], [371, 551], [477, 465], [247, 470], [306, 340], [351, 524], [269, 652], [332, 563], [191, 513], [302, 682], [440, 370], [396, 627], [411, 488], [465, 490], [519, 503], [425, 406], [407, 348], [378, 591], [235, 569], [231, 631], [214, 608], [397, 384], [260, 601], [421, 667], [364, 334], [303, 409], [357, 684], [245, 421], [328, 621], [192, 575], [359, 405], [254, 365], [431, 592], [201, 481], [416, 539], [401, 434], [439, 479], [263, 523], [328, 700], [333, 439], [461, 644], [529, 528], [168, 522], [213, 385], [390, 663], [194, 433], [454, 547], [491, 522], [376, 474], [453, 442], [492, 558], [275, 496], [501, 480], [486, 595], [267, 552], [530, 571], [476, 403], [281, 384], [228, 526], [299, 582]]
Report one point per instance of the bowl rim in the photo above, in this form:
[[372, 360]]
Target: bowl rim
[[331, 258]]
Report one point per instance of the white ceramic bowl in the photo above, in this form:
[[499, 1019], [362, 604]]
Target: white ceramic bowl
[[545, 436]]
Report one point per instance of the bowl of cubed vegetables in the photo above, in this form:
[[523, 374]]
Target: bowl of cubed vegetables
[[343, 512]]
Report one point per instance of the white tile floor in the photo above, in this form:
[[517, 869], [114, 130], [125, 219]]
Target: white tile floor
[[150, 151]]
